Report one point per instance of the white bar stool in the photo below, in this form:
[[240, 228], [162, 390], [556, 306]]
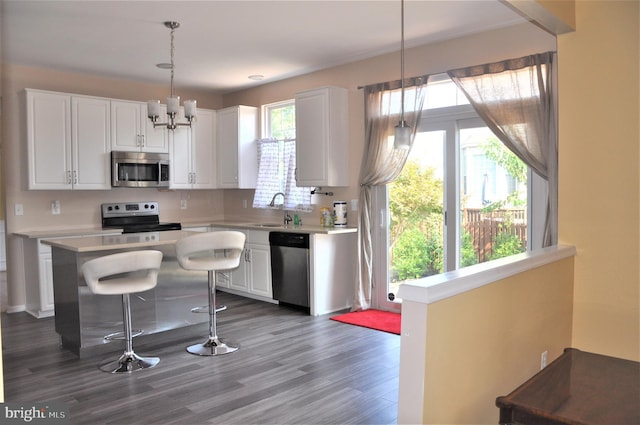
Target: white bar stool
[[212, 251], [122, 274]]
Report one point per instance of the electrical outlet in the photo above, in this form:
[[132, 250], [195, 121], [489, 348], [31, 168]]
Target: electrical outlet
[[19, 209], [183, 204], [543, 360], [244, 203], [55, 207]]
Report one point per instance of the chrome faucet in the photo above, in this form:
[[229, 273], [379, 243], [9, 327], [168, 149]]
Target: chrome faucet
[[287, 218], [273, 200]]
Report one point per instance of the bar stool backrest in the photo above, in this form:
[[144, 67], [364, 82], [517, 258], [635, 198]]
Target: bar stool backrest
[[123, 273], [211, 251]]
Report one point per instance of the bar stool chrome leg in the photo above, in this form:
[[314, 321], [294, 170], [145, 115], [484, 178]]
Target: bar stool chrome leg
[[128, 361], [213, 346]]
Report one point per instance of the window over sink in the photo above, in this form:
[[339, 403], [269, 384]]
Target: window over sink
[[277, 160]]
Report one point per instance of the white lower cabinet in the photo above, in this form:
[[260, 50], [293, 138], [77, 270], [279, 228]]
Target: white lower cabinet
[[259, 264], [39, 280], [252, 278]]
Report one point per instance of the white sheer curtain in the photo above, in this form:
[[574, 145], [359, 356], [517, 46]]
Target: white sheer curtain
[[382, 163], [276, 173], [296, 198], [269, 181], [516, 99]]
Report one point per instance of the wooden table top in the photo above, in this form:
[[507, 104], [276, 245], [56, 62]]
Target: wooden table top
[[578, 388]]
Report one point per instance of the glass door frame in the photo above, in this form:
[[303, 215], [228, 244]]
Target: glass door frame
[[450, 120]]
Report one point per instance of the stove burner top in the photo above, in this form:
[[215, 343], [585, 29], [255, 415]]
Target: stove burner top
[[134, 217]]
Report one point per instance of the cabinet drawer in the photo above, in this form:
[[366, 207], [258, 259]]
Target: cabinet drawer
[[260, 237]]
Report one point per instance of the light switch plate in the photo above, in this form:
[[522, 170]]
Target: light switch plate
[[19, 209]]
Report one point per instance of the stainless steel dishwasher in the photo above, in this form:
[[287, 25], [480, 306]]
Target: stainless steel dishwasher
[[290, 267]]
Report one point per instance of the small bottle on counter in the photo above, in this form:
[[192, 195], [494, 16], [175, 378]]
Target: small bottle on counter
[[326, 218], [296, 220]]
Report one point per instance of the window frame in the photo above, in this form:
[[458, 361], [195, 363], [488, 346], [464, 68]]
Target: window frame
[[266, 115]]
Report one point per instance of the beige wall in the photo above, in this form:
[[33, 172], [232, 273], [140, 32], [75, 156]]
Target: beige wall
[[599, 181], [485, 342]]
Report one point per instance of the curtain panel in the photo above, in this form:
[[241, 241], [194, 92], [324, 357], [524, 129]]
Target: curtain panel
[[382, 164], [276, 173], [268, 183], [516, 100]]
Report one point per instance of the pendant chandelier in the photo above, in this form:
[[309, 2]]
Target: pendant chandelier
[[402, 135], [173, 102]]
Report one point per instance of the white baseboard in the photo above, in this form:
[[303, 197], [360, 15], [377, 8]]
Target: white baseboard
[[16, 308]]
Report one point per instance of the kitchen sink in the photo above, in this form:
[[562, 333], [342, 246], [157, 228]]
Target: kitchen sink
[[268, 224]]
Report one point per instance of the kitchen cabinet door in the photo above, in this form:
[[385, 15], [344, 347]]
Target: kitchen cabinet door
[[238, 276], [48, 139], [260, 270], [322, 146], [156, 139], [90, 143], [39, 288], [126, 131], [67, 141], [237, 153], [192, 152], [203, 140], [133, 131]]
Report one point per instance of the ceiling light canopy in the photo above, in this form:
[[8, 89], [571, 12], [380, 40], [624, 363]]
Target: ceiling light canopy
[[173, 102]]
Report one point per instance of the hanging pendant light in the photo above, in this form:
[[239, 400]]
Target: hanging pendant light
[[173, 102], [402, 135]]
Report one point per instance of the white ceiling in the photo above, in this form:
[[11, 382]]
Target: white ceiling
[[220, 43]]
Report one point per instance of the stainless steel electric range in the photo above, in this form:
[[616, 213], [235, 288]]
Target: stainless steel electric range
[[134, 217]]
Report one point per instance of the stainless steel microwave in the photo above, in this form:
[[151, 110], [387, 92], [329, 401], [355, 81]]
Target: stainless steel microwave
[[139, 169]]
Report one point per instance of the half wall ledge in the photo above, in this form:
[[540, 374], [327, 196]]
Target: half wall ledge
[[431, 289]]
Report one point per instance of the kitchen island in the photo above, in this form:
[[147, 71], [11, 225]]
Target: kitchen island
[[82, 319]]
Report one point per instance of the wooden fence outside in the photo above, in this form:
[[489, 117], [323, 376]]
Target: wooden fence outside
[[485, 226]]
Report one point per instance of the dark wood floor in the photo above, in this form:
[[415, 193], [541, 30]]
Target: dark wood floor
[[291, 369]]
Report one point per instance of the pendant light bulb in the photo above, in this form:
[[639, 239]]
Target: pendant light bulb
[[402, 136]]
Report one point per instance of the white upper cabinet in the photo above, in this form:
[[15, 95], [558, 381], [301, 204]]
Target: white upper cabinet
[[68, 139], [193, 153], [322, 145], [237, 154], [132, 130]]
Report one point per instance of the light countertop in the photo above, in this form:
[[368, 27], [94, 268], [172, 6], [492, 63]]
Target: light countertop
[[117, 242], [56, 233], [87, 242], [63, 232], [278, 227]]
